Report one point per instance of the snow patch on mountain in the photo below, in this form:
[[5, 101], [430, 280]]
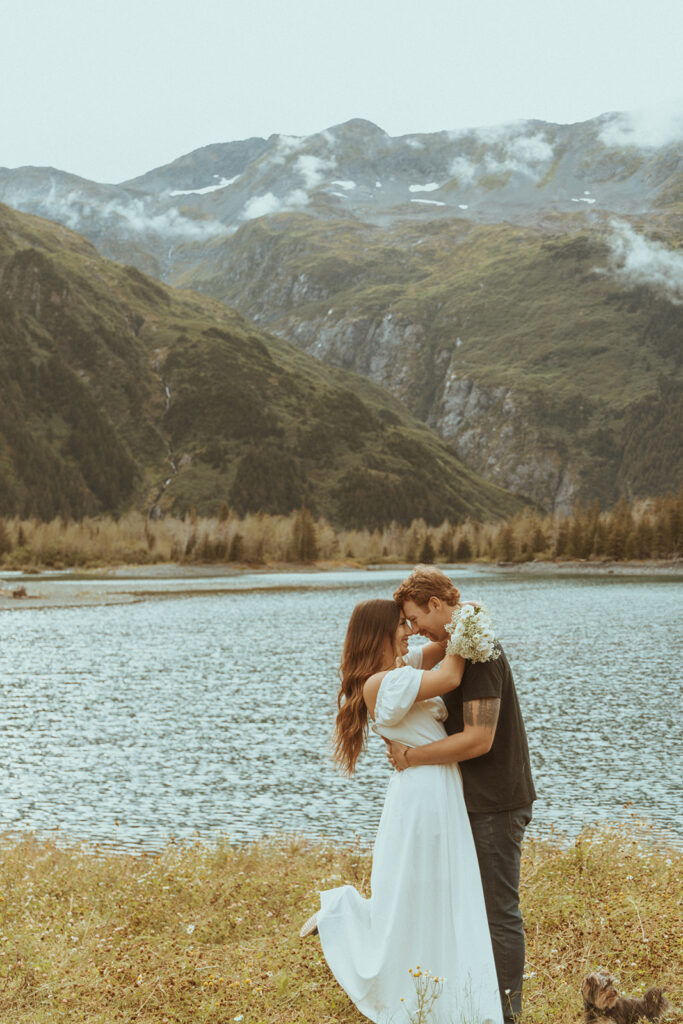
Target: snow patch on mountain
[[637, 260], [431, 186], [346, 185], [428, 202], [223, 183]]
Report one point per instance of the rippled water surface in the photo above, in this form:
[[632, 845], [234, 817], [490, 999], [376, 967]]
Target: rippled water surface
[[211, 712]]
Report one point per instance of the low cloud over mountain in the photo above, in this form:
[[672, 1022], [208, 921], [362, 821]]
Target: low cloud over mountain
[[644, 129], [636, 260], [76, 207], [618, 163]]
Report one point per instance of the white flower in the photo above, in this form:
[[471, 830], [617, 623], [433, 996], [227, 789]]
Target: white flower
[[471, 634], [190, 929], [240, 1016]]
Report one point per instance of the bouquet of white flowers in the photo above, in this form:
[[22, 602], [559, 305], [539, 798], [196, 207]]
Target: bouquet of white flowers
[[471, 634]]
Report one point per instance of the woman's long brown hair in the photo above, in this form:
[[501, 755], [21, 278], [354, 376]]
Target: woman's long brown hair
[[364, 654]]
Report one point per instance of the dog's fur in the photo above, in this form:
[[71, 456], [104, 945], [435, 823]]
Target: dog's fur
[[601, 999]]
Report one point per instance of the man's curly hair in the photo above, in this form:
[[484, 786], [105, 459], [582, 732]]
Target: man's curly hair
[[426, 581]]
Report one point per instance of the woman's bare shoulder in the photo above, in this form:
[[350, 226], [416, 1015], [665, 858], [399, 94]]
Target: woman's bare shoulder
[[371, 689], [372, 684]]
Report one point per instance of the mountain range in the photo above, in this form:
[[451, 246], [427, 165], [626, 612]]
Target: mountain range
[[519, 289]]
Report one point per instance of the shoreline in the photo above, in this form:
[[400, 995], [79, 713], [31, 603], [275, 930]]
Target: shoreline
[[50, 588], [643, 834], [160, 570]]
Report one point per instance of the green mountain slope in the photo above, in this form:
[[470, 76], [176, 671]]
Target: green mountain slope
[[118, 392], [548, 357]]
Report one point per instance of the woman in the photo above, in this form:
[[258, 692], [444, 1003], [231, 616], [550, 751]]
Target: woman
[[421, 941]]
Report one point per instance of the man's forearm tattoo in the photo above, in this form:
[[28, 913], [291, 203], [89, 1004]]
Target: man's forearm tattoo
[[482, 712]]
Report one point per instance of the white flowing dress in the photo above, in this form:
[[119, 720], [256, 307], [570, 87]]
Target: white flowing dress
[[427, 906]]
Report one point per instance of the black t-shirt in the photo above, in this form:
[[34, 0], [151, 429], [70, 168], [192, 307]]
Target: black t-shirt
[[500, 780]]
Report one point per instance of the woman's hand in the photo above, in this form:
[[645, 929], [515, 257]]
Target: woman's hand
[[396, 752]]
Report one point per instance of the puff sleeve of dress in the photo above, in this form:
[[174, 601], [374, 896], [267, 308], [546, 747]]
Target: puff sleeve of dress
[[397, 693]]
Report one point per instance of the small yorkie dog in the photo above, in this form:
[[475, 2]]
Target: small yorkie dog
[[601, 999]]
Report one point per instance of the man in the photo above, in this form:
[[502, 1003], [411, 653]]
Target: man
[[486, 737]]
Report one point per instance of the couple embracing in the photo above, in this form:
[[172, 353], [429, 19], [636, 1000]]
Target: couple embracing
[[441, 937]]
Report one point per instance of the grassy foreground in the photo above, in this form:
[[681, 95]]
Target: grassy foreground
[[200, 934]]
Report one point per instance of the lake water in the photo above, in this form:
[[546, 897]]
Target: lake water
[[206, 706]]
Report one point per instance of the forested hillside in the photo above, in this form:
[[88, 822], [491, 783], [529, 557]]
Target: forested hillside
[[117, 392]]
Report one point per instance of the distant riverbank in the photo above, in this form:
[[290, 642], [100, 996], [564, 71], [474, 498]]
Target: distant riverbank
[[75, 587], [202, 932], [647, 534]]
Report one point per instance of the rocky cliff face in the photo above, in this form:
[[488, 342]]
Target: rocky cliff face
[[484, 426], [529, 350]]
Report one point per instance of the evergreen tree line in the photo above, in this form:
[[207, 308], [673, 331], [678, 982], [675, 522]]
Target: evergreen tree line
[[646, 529]]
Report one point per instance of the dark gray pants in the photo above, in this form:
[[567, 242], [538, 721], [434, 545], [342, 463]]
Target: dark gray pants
[[498, 840]]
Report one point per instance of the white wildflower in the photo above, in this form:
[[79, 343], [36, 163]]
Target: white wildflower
[[190, 929], [471, 634]]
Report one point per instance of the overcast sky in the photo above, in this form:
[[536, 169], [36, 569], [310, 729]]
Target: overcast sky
[[111, 89]]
